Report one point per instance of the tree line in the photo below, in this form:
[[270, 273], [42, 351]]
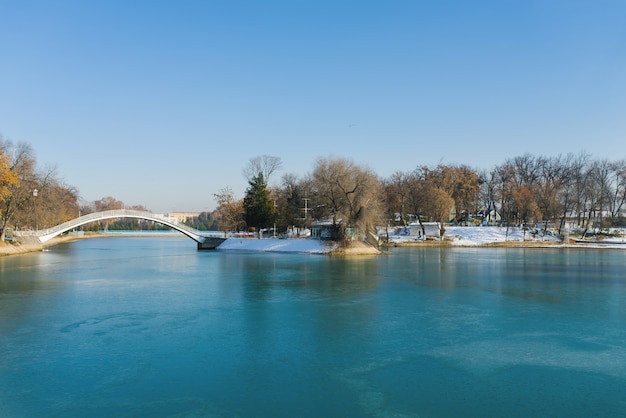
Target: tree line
[[524, 190], [351, 198]]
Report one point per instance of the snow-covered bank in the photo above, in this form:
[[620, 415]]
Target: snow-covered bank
[[490, 235], [485, 235], [310, 246], [474, 236], [455, 236]]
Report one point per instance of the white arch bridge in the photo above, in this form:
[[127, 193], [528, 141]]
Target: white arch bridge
[[206, 240]]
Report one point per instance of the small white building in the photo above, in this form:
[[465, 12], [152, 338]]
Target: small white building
[[488, 217], [323, 230]]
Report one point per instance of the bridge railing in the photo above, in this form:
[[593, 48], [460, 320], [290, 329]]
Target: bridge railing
[[80, 220]]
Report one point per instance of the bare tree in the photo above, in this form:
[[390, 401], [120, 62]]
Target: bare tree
[[593, 195], [573, 186], [265, 165], [506, 183], [525, 169], [616, 191], [349, 194], [397, 191], [488, 195], [292, 202], [418, 195]]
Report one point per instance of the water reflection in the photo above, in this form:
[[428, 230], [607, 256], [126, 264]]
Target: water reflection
[[313, 299], [25, 289], [266, 276], [544, 275]]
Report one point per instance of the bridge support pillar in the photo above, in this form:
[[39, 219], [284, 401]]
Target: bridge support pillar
[[210, 243]]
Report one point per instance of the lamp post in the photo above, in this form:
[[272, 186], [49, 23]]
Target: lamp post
[[35, 194]]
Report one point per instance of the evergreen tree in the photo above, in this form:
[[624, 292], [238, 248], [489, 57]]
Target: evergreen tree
[[258, 207]]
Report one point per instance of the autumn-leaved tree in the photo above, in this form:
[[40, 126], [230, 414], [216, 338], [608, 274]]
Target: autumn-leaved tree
[[229, 211], [525, 205], [8, 182], [439, 205], [459, 182], [21, 192], [54, 203], [108, 203]]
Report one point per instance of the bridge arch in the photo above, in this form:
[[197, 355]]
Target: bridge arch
[[205, 239]]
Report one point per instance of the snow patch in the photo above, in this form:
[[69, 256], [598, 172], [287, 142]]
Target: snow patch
[[479, 235], [310, 246]]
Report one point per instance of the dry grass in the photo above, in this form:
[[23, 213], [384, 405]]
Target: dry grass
[[356, 248], [14, 249]]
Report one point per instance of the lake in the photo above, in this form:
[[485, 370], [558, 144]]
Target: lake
[[148, 326]]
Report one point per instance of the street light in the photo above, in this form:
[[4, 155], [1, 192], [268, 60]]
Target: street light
[[35, 194]]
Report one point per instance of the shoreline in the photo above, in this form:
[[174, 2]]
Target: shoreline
[[9, 249]]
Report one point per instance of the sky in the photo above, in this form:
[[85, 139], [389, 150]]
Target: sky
[[163, 103]]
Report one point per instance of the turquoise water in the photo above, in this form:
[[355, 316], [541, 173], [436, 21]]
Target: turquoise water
[[151, 327]]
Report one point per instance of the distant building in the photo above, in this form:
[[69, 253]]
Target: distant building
[[487, 217]]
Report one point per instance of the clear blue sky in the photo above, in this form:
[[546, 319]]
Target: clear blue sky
[[162, 103]]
